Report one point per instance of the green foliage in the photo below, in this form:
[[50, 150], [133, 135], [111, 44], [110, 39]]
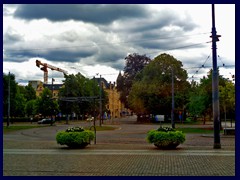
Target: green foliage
[[75, 137], [30, 108], [166, 138], [151, 89], [78, 86], [134, 64], [45, 105], [200, 96], [9, 80], [227, 96], [29, 93]]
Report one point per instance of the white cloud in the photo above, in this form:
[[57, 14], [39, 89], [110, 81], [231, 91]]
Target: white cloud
[[101, 46]]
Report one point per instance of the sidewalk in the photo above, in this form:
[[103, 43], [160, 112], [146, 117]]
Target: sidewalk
[[122, 152]]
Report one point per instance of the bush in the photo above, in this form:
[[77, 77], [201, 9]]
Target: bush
[[166, 138], [75, 137]]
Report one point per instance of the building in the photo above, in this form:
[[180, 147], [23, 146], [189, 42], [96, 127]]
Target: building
[[39, 86], [114, 105]]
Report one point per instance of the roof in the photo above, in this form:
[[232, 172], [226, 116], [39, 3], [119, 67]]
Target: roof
[[54, 86], [104, 81]]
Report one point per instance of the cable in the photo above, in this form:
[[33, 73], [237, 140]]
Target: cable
[[181, 47], [201, 66], [221, 60]]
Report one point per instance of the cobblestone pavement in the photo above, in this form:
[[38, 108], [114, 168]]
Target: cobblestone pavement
[[121, 152]]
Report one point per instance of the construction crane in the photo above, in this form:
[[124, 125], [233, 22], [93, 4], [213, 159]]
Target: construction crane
[[45, 69]]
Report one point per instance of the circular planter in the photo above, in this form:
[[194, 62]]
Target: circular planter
[[75, 139], [165, 138], [170, 145]]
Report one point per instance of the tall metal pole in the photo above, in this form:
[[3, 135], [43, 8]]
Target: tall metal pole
[[94, 112], [8, 99], [172, 113], [100, 103], [215, 90]]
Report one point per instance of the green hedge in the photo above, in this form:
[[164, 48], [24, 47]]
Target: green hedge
[[166, 138], [75, 137]]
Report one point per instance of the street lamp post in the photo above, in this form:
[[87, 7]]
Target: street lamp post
[[172, 113], [100, 103], [8, 99]]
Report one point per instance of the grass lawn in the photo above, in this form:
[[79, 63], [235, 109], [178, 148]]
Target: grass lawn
[[196, 130], [16, 128], [102, 128], [21, 127]]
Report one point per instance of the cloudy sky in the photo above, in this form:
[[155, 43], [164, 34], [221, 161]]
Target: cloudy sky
[[95, 39]]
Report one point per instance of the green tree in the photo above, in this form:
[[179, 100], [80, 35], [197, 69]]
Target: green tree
[[133, 65], [200, 99], [152, 87], [19, 104], [227, 98], [45, 105], [30, 108], [13, 91], [30, 93], [77, 86]]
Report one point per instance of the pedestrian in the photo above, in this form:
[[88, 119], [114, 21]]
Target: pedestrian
[[180, 116]]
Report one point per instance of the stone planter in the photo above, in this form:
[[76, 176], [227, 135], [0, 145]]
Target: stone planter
[[165, 138], [75, 137]]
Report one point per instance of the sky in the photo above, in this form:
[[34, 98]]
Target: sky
[[94, 39]]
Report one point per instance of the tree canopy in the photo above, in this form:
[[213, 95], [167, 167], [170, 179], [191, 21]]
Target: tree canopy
[[134, 63], [151, 90]]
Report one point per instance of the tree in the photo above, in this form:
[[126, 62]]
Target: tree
[[227, 98], [79, 86], [200, 99], [45, 105], [30, 93], [13, 92], [30, 108], [151, 90], [133, 65], [19, 104]]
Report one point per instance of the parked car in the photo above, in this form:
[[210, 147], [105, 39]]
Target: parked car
[[90, 118], [46, 121]]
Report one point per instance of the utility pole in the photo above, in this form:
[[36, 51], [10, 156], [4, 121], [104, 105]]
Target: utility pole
[[94, 112], [52, 85], [8, 99], [100, 103], [215, 89], [172, 113], [52, 102]]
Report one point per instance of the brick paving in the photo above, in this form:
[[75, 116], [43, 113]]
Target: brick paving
[[121, 152]]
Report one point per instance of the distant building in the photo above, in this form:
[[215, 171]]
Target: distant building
[[39, 86], [115, 106]]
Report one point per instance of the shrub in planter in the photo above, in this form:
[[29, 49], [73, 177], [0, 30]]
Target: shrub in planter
[[75, 137], [166, 138]]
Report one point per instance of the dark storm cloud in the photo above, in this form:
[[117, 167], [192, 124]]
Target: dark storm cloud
[[11, 38], [138, 30], [16, 56], [163, 30], [67, 56], [60, 55], [157, 20], [93, 13]]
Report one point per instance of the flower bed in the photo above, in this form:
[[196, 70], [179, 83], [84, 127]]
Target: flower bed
[[75, 137], [165, 138]]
